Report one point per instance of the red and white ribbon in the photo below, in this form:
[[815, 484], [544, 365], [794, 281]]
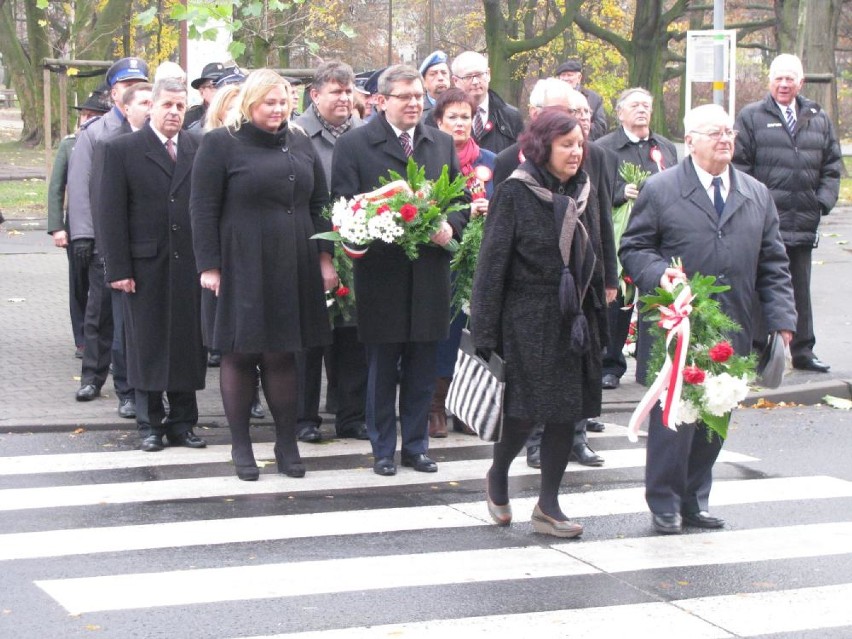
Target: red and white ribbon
[[675, 319]]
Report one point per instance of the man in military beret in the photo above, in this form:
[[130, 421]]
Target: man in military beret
[[436, 77]]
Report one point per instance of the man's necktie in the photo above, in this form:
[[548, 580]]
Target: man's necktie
[[791, 121], [718, 202], [405, 141], [170, 148], [478, 126]]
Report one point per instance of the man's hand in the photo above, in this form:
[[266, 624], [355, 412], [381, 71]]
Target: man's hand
[[671, 278], [611, 294], [442, 236], [787, 336], [211, 279], [83, 251], [127, 286], [631, 191], [479, 207], [60, 239]]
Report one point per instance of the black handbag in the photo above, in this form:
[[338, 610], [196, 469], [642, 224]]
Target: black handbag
[[475, 395]]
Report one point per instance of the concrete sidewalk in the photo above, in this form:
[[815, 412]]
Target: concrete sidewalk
[[39, 375]]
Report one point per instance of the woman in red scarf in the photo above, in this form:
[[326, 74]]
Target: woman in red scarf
[[453, 113]]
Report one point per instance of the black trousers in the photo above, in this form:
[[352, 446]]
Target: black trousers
[[151, 417], [619, 326], [348, 361], [412, 365], [802, 346], [678, 466], [97, 328], [78, 291]]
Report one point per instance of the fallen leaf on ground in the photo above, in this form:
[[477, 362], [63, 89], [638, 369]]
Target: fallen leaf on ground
[[78, 431], [837, 402]]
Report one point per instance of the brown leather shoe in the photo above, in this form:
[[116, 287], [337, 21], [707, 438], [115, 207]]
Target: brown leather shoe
[[546, 525]]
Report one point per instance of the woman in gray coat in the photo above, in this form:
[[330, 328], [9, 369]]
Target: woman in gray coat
[[537, 300]]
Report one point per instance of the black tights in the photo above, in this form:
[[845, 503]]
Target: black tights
[[555, 447], [237, 379]]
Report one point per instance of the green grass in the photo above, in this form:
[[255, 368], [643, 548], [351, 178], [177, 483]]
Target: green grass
[[16, 154], [23, 198]]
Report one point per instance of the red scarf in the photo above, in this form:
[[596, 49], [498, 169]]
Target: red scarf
[[468, 154]]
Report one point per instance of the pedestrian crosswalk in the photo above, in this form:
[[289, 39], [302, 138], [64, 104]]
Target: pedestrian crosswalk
[[112, 539]]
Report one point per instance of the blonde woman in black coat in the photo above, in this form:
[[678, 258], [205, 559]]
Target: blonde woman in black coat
[[258, 191], [538, 299]]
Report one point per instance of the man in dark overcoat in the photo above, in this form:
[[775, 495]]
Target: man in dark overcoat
[[148, 241], [720, 222], [403, 306], [788, 142]]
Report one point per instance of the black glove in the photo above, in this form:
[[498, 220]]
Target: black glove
[[83, 250]]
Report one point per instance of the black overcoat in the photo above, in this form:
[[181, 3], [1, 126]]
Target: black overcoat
[[147, 236], [515, 309], [257, 198], [398, 300]]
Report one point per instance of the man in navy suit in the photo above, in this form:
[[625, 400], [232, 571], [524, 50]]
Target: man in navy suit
[[403, 305]]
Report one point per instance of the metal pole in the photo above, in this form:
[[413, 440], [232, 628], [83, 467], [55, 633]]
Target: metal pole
[[719, 54]]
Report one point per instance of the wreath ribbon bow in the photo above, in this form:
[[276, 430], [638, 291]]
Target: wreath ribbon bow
[[675, 320]]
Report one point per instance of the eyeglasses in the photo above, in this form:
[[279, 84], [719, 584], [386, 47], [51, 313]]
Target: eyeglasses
[[405, 97], [581, 111], [716, 134], [482, 76]]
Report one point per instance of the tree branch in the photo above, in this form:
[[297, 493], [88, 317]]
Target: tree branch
[[527, 44], [623, 45]]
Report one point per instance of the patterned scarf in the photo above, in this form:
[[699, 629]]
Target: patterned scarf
[[335, 131]]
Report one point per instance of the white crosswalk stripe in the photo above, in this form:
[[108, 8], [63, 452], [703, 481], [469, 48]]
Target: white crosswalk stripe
[[176, 531]]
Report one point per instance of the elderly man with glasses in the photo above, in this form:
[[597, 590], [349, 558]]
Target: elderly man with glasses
[[496, 124], [719, 221]]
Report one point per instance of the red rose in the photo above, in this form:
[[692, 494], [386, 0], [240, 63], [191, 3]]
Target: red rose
[[342, 291], [408, 212], [627, 279], [384, 208], [721, 352], [693, 375]]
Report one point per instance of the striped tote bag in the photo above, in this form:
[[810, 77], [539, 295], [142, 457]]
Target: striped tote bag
[[475, 395]]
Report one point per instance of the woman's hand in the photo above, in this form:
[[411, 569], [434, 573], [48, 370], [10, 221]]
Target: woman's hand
[[631, 191], [210, 279], [479, 207], [329, 275], [442, 236], [611, 294], [671, 278]]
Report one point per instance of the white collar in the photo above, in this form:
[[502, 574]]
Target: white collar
[[397, 131], [163, 139], [633, 138], [706, 178]]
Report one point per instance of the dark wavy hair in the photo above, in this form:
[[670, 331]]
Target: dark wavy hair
[[538, 137], [448, 97]]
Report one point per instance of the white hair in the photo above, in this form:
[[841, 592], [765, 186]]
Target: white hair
[[169, 69], [786, 63], [701, 114], [468, 58], [550, 90]]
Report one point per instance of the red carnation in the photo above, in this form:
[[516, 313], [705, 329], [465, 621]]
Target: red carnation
[[721, 352], [408, 212], [342, 291], [384, 208], [693, 375], [627, 279]]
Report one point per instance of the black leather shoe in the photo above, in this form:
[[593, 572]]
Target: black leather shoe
[[667, 523], [384, 466], [594, 426], [813, 364], [584, 455], [248, 473], [127, 408], [702, 519], [310, 434], [257, 411], [534, 456], [358, 431], [420, 462], [152, 444], [78, 352], [610, 381], [188, 439], [214, 359], [87, 393]]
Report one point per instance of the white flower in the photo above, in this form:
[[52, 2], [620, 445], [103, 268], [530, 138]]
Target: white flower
[[688, 413], [723, 392], [384, 227]]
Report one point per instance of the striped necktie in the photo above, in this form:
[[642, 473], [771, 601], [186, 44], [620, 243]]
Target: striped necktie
[[170, 149], [791, 121], [478, 126], [405, 141]]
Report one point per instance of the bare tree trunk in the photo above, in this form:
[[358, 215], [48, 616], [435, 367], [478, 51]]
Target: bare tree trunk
[[786, 24]]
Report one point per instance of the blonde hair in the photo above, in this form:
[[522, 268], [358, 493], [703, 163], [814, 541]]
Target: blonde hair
[[254, 90], [219, 113]]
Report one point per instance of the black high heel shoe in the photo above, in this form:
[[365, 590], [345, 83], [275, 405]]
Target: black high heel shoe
[[248, 473], [290, 468]]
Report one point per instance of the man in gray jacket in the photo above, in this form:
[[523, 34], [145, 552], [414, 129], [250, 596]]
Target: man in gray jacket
[[99, 347], [787, 142], [329, 115], [718, 221]]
